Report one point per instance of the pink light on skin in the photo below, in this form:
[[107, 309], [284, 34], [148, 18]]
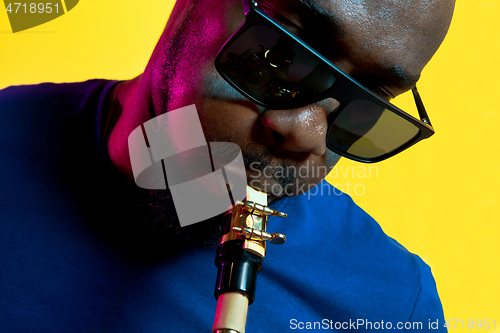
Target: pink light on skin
[[178, 73]]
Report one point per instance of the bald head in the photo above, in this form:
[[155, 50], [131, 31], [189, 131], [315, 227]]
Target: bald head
[[404, 33]]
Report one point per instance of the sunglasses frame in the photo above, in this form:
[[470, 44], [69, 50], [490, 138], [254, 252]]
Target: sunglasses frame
[[344, 90]]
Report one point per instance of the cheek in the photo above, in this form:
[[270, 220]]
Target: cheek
[[224, 112], [215, 87], [228, 120]]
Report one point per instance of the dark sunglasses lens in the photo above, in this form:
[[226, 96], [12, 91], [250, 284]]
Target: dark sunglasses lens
[[274, 69], [368, 130]]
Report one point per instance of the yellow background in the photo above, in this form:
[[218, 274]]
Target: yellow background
[[440, 199]]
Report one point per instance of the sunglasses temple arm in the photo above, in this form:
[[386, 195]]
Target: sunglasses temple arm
[[420, 107], [247, 6]]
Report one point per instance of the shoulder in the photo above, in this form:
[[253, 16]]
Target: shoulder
[[40, 122], [375, 274], [50, 96], [31, 112]]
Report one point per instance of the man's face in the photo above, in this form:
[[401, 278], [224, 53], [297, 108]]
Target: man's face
[[382, 44]]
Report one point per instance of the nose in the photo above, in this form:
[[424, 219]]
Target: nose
[[300, 130]]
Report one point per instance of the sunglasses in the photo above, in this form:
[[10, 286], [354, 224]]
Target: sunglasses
[[274, 69]]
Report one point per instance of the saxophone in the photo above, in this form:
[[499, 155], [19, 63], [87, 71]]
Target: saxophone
[[240, 253]]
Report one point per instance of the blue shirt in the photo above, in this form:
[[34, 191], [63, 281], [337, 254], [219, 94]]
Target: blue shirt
[[73, 261]]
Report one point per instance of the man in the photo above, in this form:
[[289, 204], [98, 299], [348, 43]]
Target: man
[[84, 249]]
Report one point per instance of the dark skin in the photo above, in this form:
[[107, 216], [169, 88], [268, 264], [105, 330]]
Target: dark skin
[[383, 44]]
